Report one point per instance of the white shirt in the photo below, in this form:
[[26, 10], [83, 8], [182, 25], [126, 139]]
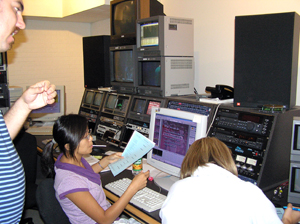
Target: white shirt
[[214, 195]]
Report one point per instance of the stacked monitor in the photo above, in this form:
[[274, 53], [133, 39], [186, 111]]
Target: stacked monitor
[[111, 120], [91, 105], [123, 57], [123, 16], [165, 76], [138, 117], [51, 112], [173, 132], [165, 56], [165, 36], [123, 68]]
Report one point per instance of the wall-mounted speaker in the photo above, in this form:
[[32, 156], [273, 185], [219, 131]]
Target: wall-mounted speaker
[[266, 60], [96, 61]]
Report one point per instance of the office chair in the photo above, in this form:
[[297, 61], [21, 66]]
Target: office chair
[[26, 147], [48, 206]]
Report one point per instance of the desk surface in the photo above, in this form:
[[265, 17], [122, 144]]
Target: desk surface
[[107, 177]]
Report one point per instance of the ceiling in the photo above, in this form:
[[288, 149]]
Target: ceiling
[[89, 16]]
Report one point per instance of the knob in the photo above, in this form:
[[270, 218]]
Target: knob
[[250, 126]]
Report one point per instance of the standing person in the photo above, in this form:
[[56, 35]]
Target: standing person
[[12, 180], [77, 184], [211, 192]]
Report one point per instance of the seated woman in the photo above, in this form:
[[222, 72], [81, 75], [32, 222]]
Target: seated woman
[[211, 192], [77, 184]]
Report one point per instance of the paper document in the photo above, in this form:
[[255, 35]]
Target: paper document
[[136, 148]]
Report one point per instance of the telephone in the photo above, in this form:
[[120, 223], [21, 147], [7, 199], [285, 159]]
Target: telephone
[[221, 91]]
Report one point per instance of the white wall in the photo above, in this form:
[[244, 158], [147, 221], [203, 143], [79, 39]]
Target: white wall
[[100, 28], [53, 51], [214, 33]]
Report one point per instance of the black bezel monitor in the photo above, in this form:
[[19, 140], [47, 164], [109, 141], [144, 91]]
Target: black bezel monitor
[[116, 104], [123, 16], [151, 76], [140, 108], [123, 69]]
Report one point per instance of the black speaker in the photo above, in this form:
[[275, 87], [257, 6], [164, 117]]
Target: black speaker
[[266, 60], [96, 61]]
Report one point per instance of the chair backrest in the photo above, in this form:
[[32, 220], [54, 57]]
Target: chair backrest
[[26, 147], [49, 208]]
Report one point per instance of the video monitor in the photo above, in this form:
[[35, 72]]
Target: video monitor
[[98, 99], [139, 106], [123, 69], [152, 104], [111, 101], [123, 16], [149, 34], [165, 36], [89, 97], [151, 73], [123, 66]]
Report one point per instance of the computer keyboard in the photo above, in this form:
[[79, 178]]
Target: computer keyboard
[[146, 199], [43, 130]]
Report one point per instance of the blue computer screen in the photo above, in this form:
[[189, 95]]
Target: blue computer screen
[[50, 108]]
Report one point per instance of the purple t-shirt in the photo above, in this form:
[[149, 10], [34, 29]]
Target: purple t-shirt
[[69, 179]]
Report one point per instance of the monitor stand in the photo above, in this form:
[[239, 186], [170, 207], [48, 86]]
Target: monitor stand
[[165, 181]]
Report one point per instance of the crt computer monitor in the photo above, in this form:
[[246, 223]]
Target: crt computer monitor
[[172, 132], [123, 68], [51, 112], [123, 16]]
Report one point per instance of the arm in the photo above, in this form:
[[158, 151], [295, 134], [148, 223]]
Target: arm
[[290, 216], [106, 161], [34, 97], [86, 202]]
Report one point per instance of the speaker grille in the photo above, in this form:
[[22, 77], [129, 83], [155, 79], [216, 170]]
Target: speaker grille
[[266, 59], [181, 21], [181, 64]]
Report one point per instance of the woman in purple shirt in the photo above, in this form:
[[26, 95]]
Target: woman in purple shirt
[[77, 184]]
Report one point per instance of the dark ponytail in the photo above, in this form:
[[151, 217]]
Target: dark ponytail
[[68, 129], [47, 160]]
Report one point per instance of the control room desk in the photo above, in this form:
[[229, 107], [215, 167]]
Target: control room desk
[[107, 177]]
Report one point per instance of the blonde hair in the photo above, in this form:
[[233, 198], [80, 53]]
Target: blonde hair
[[207, 150]]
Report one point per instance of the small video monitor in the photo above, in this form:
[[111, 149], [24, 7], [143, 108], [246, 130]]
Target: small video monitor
[[152, 104], [139, 106], [89, 97], [98, 99], [111, 101]]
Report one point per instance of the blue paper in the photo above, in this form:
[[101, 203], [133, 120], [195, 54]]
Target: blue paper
[[136, 148]]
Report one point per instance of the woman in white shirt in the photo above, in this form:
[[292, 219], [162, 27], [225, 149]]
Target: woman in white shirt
[[211, 192]]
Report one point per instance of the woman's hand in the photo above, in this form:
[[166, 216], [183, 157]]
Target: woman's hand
[[114, 157], [290, 216], [106, 161], [139, 181]]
